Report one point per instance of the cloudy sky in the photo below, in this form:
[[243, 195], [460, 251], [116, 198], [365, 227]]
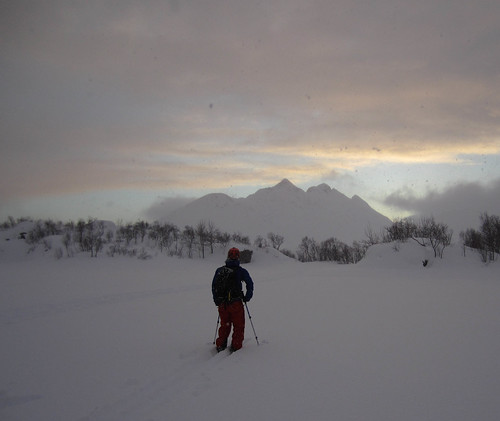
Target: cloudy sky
[[109, 108]]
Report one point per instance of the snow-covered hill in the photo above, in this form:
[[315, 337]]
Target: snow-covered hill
[[121, 339], [320, 212]]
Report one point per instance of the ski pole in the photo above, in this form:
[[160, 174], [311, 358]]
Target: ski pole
[[216, 328], [250, 317]]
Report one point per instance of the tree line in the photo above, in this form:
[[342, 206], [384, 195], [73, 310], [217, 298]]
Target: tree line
[[132, 239], [140, 238], [486, 240], [428, 232]]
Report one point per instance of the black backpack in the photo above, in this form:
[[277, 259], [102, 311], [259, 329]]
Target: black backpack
[[224, 287]]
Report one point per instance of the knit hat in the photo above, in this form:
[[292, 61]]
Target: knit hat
[[233, 254]]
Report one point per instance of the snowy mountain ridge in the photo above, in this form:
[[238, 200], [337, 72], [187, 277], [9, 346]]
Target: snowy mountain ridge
[[320, 212]]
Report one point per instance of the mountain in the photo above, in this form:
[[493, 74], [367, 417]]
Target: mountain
[[320, 213]]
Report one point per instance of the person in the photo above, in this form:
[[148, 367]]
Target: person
[[231, 311]]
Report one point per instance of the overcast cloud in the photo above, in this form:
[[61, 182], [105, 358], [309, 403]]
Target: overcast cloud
[[189, 95]]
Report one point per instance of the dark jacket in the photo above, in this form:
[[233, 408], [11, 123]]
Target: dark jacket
[[241, 275]]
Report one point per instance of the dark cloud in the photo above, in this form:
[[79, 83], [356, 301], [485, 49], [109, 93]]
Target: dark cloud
[[459, 205]]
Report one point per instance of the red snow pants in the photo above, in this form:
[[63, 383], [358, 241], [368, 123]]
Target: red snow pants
[[231, 314]]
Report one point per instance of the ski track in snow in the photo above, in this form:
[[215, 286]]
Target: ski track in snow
[[192, 377], [7, 400], [36, 311]]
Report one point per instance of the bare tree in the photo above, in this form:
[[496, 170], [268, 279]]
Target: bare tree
[[437, 235], [372, 237], [490, 233], [201, 234], [260, 242], [93, 236], [330, 250], [275, 239], [400, 230], [223, 238], [240, 238], [308, 250], [189, 237], [212, 233], [140, 230]]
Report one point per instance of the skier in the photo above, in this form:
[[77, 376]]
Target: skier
[[230, 300]]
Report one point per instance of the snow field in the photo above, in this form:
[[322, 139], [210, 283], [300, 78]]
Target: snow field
[[125, 339]]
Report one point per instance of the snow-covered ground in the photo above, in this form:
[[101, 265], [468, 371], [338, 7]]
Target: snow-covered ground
[[127, 340]]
